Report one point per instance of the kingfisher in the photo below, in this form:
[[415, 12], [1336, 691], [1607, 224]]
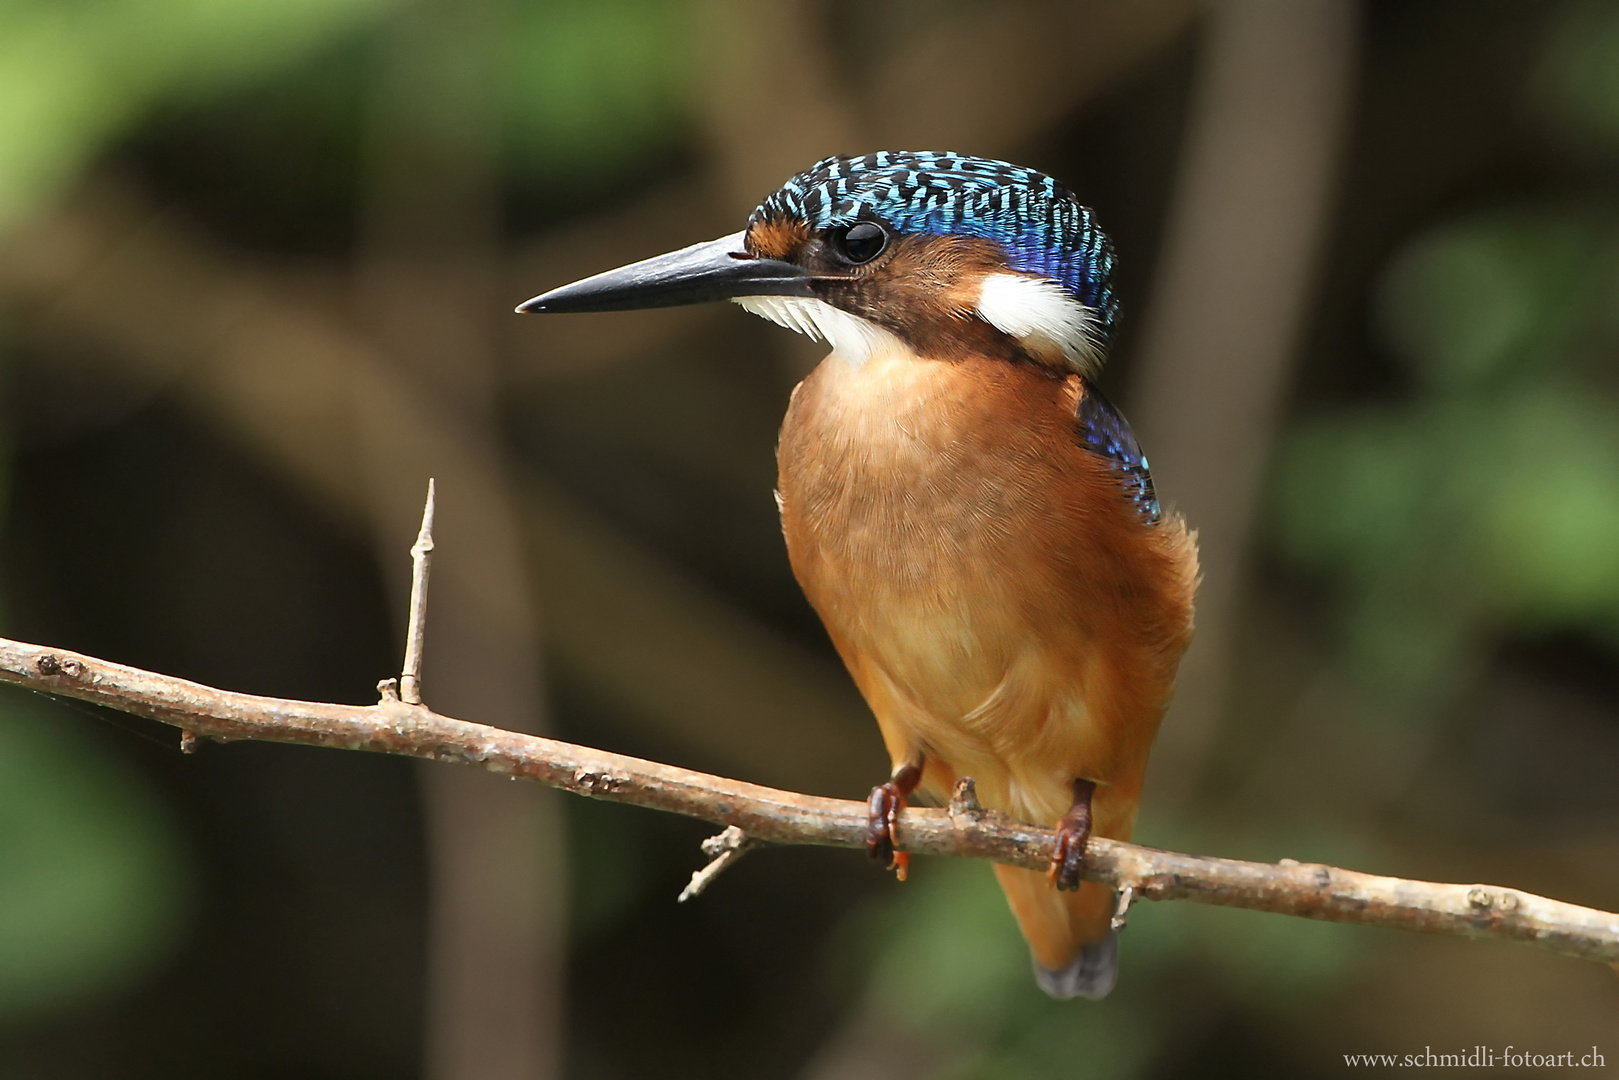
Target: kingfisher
[[971, 518]]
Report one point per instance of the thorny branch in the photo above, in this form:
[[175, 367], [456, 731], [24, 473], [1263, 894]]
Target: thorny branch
[[754, 815], [766, 815]]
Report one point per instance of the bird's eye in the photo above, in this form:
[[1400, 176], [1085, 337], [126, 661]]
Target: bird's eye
[[860, 242]]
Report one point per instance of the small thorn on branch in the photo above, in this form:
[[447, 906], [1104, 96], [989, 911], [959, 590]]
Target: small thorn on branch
[[1121, 907], [722, 850], [421, 556]]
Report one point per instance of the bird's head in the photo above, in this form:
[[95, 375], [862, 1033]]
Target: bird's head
[[943, 253]]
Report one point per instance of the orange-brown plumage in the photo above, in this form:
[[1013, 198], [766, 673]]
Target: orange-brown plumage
[[1006, 613]]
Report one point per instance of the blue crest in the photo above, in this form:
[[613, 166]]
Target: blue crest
[[1042, 227]]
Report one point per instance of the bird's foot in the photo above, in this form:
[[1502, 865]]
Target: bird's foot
[[1073, 836], [887, 800]]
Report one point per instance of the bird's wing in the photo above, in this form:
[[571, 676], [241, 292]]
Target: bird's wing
[[1103, 431]]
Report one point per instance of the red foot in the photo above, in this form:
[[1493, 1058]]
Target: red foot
[[887, 800], [1073, 835]]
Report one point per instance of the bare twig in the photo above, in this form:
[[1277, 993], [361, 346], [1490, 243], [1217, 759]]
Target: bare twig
[[421, 564], [783, 817], [722, 851]]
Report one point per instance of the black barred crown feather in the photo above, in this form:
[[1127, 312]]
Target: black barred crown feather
[[1038, 221]]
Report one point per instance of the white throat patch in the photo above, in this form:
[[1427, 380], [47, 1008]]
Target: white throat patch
[[851, 337], [1044, 315]]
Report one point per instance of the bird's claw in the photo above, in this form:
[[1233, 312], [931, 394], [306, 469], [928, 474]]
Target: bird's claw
[[887, 800], [1073, 837], [886, 803], [1069, 859]]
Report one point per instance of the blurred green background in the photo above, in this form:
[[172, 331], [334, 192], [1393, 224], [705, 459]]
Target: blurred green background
[[257, 262]]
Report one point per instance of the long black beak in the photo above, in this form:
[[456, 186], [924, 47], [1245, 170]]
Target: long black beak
[[716, 270]]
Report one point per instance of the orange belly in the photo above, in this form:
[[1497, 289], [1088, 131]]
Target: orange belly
[[1003, 609]]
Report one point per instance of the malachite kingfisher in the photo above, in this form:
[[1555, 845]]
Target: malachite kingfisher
[[973, 521]]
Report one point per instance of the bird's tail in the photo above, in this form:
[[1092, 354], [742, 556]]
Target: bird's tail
[[1076, 954]]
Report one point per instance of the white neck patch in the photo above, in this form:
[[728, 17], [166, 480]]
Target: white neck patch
[[851, 337], [1043, 315]]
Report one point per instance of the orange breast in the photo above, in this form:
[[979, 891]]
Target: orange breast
[[1002, 608]]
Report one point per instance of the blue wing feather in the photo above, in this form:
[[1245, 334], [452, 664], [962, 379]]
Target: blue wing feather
[[1103, 431]]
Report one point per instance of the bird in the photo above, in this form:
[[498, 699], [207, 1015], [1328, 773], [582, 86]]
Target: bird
[[973, 521]]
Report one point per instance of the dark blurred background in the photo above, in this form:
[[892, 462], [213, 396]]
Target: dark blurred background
[[257, 264]]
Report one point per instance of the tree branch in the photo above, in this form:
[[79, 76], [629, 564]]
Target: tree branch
[[783, 817]]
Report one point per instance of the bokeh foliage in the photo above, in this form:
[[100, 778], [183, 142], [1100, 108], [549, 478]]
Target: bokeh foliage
[[1483, 500], [1474, 501], [590, 83], [94, 885], [594, 83], [93, 881], [74, 76]]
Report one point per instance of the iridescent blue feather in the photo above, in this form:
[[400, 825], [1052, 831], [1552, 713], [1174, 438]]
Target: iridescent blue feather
[[1104, 431]]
